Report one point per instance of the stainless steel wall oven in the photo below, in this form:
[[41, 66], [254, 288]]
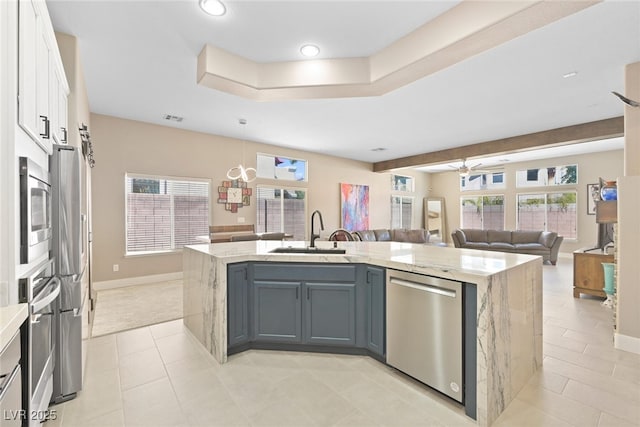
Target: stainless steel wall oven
[[35, 211], [39, 289]]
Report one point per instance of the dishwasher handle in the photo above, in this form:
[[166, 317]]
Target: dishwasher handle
[[424, 287]]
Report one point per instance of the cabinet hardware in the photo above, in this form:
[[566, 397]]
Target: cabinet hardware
[[64, 132], [296, 293], [308, 293], [368, 277], [45, 135]]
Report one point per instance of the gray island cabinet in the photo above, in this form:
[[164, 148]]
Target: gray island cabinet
[[306, 306], [241, 295]]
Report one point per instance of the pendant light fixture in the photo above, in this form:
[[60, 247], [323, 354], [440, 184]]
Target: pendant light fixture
[[240, 172], [213, 7]]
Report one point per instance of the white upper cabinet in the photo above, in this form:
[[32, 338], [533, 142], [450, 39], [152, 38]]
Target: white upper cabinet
[[28, 66], [42, 83], [58, 94]]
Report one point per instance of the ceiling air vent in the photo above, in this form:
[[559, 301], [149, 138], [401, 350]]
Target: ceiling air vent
[[172, 118]]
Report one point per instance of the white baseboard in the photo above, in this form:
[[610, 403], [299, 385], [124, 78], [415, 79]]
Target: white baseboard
[[627, 343], [133, 281]]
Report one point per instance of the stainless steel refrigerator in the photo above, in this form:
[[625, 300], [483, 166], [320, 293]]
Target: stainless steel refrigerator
[[67, 251]]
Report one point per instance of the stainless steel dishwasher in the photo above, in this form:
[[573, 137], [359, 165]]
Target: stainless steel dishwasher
[[424, 330]]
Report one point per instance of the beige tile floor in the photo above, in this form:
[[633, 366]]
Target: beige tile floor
[[158, 375]]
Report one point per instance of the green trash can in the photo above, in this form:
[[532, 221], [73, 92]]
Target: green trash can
[[609, 285]]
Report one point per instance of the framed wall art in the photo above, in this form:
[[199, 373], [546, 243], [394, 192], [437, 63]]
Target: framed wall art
[[354, 204]]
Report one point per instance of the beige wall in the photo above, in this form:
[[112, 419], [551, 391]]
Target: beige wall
[[590, 167], [125, 146]]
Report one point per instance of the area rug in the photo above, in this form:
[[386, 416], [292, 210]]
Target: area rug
[[136, 306]]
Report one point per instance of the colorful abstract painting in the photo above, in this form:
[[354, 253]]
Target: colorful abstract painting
[[355, 206]]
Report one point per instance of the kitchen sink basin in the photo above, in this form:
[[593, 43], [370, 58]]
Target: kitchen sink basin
[[292, 250]]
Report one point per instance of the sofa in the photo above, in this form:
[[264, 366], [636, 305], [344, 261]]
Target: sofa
[[393, 235], [543, 243]]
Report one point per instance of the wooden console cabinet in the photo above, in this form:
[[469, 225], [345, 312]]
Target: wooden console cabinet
[[588, 274]]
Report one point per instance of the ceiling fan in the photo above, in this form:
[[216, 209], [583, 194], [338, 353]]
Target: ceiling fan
[[465, 170]]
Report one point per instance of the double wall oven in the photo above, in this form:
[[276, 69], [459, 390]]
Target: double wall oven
[[39, 289]]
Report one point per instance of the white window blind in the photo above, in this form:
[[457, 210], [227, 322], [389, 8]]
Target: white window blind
[[165, 214]]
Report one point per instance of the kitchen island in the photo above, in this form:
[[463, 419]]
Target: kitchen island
[[508, 298]]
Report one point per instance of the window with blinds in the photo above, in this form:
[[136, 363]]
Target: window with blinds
[[165, 214], [281, 210]]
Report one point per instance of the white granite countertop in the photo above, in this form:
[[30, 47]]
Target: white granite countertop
[[11, 317], [508, 301], [447, 262]]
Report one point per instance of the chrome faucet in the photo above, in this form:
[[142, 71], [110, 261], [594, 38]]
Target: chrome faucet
[[313, 235]]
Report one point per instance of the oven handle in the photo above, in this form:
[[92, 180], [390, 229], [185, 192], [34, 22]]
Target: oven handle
[[37, 317], [38, 304]]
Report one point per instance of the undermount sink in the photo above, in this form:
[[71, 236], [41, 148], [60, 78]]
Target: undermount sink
[[292, 250]]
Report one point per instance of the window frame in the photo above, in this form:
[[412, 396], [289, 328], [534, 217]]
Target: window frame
[[410, 182], [482, 196], [282, 218], [132, 176], [391, 205], [543, 180], [260, 172], [488, 180], [546, 195]]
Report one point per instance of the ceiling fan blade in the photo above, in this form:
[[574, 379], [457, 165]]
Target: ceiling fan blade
[[626, 100]]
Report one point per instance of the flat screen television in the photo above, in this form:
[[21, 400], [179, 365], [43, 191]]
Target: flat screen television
[[605, 235]]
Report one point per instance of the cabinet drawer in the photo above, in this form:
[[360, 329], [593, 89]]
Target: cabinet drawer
[[305, 272], [10, 355]]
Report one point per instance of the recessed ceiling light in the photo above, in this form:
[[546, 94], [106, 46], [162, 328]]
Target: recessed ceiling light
[[213, 7], [571, 74], [309, 50]]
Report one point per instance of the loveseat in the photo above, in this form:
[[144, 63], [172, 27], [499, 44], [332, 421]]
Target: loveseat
[[543, 243], [419, 235]]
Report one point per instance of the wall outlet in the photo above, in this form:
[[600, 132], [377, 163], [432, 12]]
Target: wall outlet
[[240, 220], [116, 267]]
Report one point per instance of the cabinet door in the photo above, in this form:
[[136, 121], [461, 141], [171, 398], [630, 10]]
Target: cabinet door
[[43, 81], [330, 313], [277, 311], [58, 105], [27, 66], [34, 73], [62, 113], [237, 304], [375, 310]]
